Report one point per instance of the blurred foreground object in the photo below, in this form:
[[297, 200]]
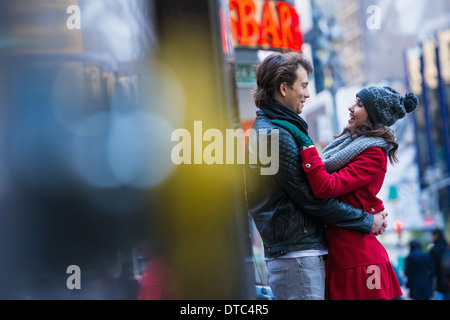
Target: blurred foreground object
[[86, 117]]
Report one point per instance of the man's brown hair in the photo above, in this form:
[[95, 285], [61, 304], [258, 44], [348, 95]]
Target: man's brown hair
[[276, 69]]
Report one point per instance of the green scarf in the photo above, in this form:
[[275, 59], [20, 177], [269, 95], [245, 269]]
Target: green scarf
[[276, 110]]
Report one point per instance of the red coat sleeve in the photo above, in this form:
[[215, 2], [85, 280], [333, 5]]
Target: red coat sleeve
[[363, 169]]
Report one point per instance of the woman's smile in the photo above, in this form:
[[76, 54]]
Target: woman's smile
[[358, 115]]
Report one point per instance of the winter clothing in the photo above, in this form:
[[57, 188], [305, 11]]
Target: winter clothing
[[385, 105], [358, 265], [286, 213], [341, 151], [436, 254], [446, 273], [302, 139], [278, 111]]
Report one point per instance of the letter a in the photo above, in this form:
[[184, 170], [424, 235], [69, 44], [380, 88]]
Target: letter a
[[374, 21], [373, 282], [181, 153], [213, 153], [74, 281], [74, 21]]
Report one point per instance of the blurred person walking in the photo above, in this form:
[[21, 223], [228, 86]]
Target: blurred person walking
[[290, 220], [353, 168], [446, 273], [419, 270], [436, 253]]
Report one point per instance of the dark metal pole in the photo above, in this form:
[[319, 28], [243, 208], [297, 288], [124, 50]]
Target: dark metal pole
[[201, 205], [444, 111], [426, 105]]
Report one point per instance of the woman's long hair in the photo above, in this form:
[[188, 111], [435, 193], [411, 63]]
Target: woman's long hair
[[376, 130]]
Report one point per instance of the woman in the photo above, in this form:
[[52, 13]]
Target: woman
[[352, 169]]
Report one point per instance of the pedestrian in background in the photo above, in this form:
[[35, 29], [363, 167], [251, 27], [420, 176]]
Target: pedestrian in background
[[419, 270], [436, 253], [446, 273], [352, 168]]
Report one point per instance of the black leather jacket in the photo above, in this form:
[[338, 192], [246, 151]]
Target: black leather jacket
[[286, 213]]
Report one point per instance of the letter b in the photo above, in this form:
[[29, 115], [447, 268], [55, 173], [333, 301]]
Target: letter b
[[74, 281], [250, 28]]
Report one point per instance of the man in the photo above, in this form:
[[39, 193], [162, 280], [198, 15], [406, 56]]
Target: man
[[290, 220], [419, 270], [437, 252]]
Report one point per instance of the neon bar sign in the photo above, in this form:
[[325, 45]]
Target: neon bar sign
[[266, 24]]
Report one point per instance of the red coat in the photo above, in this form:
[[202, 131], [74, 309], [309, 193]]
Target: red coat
[[358, 266], [156, 281]]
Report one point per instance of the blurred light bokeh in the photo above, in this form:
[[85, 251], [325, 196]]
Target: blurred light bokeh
[[87, 115]]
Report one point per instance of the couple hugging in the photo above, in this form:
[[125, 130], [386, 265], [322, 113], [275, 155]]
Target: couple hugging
[[319, 216]]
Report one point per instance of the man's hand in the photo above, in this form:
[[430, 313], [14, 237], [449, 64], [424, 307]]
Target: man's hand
[[379, 223]]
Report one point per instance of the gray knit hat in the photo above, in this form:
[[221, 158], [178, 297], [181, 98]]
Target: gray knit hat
[[385, 105]]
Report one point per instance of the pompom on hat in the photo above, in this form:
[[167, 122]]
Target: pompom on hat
[[385, 105]]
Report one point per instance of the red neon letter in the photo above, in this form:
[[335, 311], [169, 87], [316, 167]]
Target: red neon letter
[[269, 26], [250, 29], [234, 23], [298, 37], [287, 37]]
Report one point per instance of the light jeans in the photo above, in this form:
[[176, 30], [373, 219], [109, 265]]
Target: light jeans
[[297, 278]]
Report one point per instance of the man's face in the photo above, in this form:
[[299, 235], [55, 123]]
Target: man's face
[[295, 97]]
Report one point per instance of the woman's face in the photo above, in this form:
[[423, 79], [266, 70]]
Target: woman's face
[[358, 115]]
